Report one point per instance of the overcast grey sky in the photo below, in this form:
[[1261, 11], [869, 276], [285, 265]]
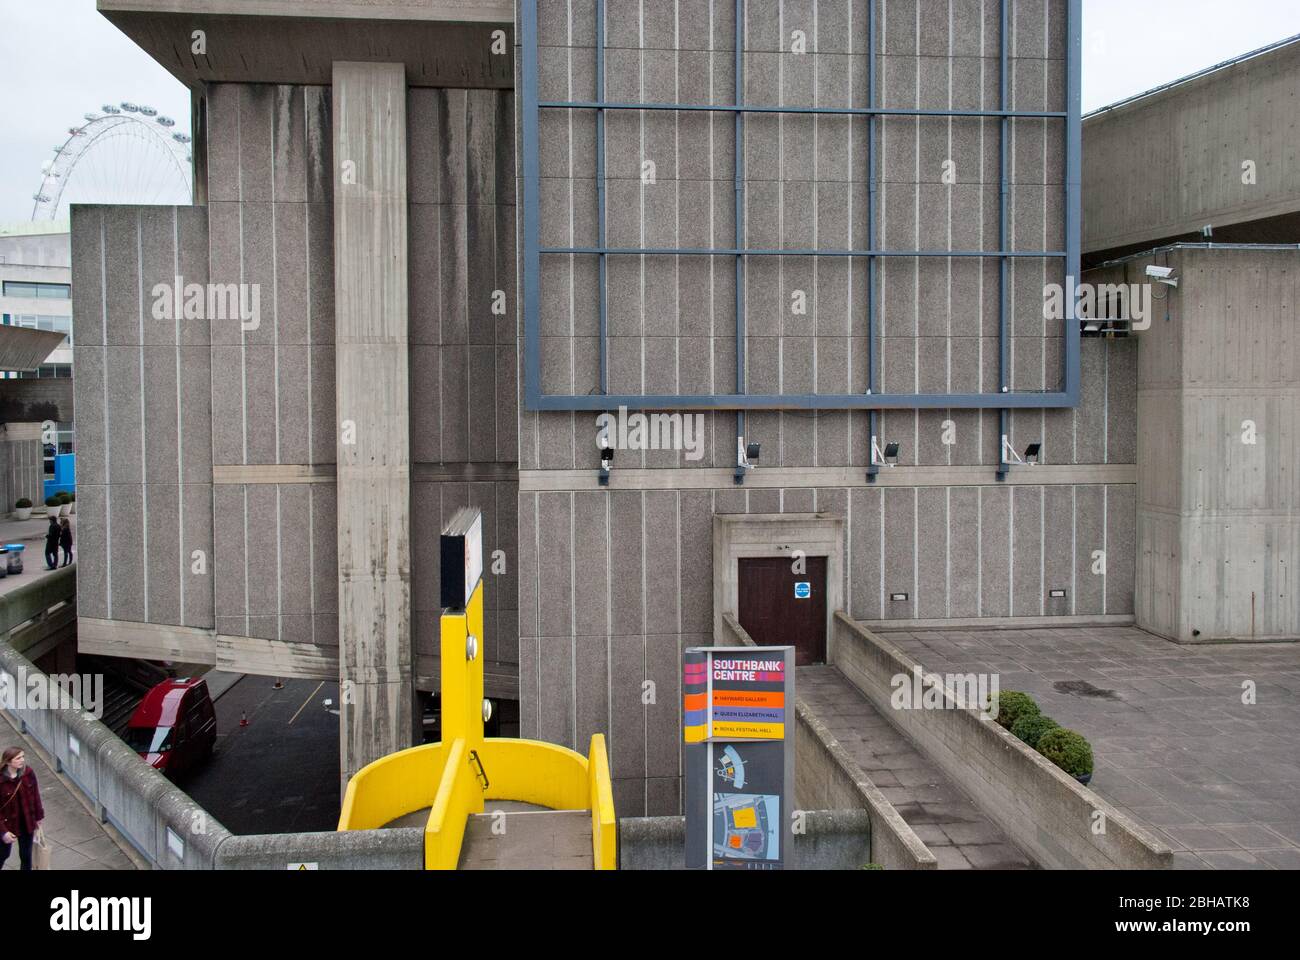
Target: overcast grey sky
[[61, 59]]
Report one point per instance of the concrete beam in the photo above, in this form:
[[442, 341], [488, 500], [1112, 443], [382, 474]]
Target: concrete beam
[[373, 405], [301, 48], [430, 10]]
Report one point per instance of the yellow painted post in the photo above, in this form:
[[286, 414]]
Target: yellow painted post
[[604, 826], [462, 677]]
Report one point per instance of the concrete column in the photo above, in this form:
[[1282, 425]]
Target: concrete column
[[374, 472]]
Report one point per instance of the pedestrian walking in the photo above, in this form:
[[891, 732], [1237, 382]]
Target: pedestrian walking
[[65, 540], [52, 533], [21, 811]]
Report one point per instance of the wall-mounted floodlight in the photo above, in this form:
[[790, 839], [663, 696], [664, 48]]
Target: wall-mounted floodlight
[[606, 462], [1163, 275], [747, 456], [887, 457], [1009, 458]]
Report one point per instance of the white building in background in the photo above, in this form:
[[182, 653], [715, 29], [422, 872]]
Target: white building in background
[[36, 292]]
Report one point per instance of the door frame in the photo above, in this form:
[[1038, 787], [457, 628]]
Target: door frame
[[775, 535]]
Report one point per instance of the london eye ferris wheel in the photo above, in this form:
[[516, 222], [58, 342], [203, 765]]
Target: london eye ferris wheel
[[126, 153]]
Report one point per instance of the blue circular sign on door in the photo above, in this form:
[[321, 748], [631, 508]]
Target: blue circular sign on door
[[802, 591]]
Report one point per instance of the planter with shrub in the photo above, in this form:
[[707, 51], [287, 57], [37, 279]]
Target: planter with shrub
[[52, 506], [23, 509], [1012, 705], [65, 503], [1068, 750], [1030, 727]]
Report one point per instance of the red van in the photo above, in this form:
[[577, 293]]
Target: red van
[[175, 727]]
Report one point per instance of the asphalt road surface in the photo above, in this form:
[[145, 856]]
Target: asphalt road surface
[[279, 774]]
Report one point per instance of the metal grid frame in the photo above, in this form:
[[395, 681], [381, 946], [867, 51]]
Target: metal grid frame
[[742, 400]]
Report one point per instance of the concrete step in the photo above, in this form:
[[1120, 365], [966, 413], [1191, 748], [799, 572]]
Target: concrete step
[[527, 840]]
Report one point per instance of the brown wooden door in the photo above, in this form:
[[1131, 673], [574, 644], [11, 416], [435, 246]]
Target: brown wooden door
[[772, 609]]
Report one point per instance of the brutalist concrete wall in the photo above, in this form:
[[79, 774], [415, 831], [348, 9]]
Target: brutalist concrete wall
[[273, 438], [1216, 150], [1218, 491], [22, 464], [464, 393], [144, 440], [614, 583], [255, 436]]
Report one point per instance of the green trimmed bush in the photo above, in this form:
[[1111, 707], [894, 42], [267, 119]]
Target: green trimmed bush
[[1029, 727], [1012, 704], [871, 866], [1068, 750], [52, 501], [22, 504], [63, 497]]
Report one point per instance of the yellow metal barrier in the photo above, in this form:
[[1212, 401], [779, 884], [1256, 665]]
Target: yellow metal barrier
[[459, 796], [445, 777], [600, 794], [392, 787]]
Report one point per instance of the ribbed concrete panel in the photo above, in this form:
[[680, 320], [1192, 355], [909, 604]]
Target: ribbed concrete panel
[[144, 455], [1242, 114], [956, 551]]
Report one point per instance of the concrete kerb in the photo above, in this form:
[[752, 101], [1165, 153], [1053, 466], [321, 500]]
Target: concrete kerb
[[397, 849], [831, 840], [1038, 805], [841, 782]]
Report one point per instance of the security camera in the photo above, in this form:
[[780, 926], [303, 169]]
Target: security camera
[[1163, 275]]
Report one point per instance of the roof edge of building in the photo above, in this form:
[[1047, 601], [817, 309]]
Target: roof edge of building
[[1192, 77]]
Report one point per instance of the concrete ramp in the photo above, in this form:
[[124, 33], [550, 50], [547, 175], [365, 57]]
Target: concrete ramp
[[957, 832], [528, 840]]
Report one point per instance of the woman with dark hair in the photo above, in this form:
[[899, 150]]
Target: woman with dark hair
[[21, 811], [65, 540]]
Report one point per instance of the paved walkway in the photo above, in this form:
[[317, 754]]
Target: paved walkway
[[945, 819], [30, 533], [1174, 745], [78, 840]]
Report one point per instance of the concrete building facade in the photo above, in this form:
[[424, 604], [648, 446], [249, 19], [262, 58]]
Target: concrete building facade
[[476, 228], [1206, 187]]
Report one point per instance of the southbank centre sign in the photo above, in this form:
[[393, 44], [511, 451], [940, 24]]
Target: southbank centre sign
[[738, 727]]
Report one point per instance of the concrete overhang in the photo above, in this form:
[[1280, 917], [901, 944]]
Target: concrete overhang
[[444, 43], [23, 349]]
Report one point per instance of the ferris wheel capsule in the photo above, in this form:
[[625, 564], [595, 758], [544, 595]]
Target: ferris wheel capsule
[[166, 121], [130, 107], [109, 108], [148, 111]]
